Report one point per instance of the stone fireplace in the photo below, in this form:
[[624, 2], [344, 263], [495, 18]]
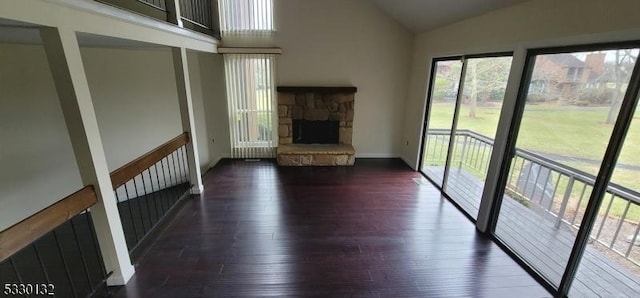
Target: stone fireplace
[[316, 126]]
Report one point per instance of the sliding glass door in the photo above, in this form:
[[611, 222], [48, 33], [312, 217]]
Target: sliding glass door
[[568, 202], [461, 123], [566, 114], [616, 229], [443, 96]]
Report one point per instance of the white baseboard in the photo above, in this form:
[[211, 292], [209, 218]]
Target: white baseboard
[[410, 164], [217, 160], [197, 189], [121, 278]]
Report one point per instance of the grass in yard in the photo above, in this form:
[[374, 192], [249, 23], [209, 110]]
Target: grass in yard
[[568, 131], [564, 130]]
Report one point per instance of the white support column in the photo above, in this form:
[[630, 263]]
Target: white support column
[[183, 82], [65, 62], [500, 144]]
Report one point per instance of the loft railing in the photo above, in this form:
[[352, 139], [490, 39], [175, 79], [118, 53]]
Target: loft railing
[[149, 188], [54, 252], [558, 190], [196, 15]]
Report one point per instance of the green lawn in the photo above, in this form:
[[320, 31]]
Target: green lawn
[[562, 130]]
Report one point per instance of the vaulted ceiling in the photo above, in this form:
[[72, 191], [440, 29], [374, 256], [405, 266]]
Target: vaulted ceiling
[[424, 15]]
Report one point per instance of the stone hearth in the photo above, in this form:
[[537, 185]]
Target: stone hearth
[[316, 104], [316, 155]]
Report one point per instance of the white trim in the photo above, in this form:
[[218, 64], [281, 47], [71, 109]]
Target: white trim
[[122, 278], [413, 167], [71, 85], [217, 160], [196, 189], [501, 137]]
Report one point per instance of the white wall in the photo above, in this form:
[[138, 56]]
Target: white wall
[[135, 98], [215, 107], [536, 23], [37, 165], [349, 43]]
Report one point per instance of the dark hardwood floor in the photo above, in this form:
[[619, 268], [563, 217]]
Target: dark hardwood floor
[[362, 231]]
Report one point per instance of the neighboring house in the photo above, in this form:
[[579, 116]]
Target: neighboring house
[[558, 76]]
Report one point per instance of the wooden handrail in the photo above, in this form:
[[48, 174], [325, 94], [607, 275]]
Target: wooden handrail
[[22, 234], [140, 164]]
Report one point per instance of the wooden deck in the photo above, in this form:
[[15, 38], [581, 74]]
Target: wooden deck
[[362, 231], [531, 233]]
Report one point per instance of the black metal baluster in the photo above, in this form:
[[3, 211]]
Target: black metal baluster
[[180, 169], [96, 245], [176, 173], [160, 193], [138, 198], [64, 264], [172, 188], [177, 188], [15, 270], [179, 173], [183, 163], [133, 224], [145, 198], [186, 164], [152, 195], [164, 191], [41, 262], [82, 258]]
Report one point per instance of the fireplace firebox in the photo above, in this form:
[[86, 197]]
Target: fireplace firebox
[[315, 132], [315, 126]]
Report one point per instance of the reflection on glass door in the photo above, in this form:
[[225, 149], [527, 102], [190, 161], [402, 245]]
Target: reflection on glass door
[[571, 104], [445, 82]]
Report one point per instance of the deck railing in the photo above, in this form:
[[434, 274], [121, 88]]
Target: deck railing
[[561, 192], [54, 252], [196, 15], [149, 187]]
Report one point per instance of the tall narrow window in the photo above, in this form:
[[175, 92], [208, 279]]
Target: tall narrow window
[[251, 102], [238, 17]]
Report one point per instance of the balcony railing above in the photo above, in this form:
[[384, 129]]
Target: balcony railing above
[[197, 15]]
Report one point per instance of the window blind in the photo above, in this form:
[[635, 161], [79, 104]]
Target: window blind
[[246, 17], [252, 106]]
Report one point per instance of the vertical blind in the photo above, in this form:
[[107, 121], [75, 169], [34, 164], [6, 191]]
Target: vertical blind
[[238, 17], [252, 106]]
